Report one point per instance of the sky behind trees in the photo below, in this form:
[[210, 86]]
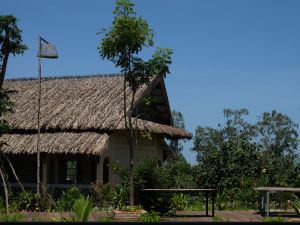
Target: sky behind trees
[[227, 54]]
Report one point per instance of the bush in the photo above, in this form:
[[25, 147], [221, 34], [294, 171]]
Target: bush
[[120, 195], [21, 202], [179, 201], [150, 217], [68, 199]]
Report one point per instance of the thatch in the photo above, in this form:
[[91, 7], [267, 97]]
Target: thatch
[[76, 114], [68, 103], [88, 103], [169, 131], [90, 143]]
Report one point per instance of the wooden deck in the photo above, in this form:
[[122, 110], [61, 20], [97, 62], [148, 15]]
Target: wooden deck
[[182, 216]]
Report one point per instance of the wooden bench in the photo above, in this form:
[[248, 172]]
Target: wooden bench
[[212, 193]]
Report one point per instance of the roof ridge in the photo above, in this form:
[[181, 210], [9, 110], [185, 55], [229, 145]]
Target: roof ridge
[[66, 77]]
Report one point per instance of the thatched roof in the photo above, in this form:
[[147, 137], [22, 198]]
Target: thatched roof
[[156, 128], [72, 106], [90, 143]]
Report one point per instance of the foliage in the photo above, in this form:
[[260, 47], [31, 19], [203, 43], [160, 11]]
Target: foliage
[[10, 42], [179, 201], [20, 202], [96, 191], [237, 156], [120, 197], [151, 216], [122, 44], [273, 219], [176, 173], [68, 199], [178, 121], [14, 217], [82, 208], [278, 137], [296, 208]]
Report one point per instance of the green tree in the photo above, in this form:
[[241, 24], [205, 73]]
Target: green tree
[[228, 156], [10, 43], [121, 44], [278, 137], [178, 121]]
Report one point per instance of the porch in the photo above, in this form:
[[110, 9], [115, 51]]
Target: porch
[[59, 171]]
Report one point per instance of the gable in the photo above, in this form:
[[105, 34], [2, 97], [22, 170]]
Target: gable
[[154, 106]]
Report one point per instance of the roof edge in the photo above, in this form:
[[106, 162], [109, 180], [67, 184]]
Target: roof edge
[[49, 77]]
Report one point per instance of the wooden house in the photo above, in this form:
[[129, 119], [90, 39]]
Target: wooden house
[[82, 128]]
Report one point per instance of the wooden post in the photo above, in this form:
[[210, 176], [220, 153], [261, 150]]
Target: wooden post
[[206, 203], [213, 204], [267, 203], [38, 182]]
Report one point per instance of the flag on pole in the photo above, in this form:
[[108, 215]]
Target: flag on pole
[[47, 50]]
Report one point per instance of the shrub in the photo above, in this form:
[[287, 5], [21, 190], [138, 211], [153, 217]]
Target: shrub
[[120, 195], [21, 202], [68, 199], [179, 201]]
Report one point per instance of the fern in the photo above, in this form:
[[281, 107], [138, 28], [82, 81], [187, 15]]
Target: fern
[[82, 208]]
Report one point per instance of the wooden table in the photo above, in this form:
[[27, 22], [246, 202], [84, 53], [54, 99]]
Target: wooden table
[[265, 200], [208, 191]]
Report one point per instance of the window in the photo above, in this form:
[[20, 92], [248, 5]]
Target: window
[[71, 171]]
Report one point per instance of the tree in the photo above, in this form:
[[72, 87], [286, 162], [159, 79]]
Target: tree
[[10, 42], [178, 121], [278, 137], [228, 157], [121, 44]]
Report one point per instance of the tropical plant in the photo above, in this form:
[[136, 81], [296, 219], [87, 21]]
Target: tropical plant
[[82, 209], [121, 44]]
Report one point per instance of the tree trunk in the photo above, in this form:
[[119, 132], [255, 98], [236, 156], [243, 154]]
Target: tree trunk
[[15, 175], [5, 190], [3, 68], [131, 153]]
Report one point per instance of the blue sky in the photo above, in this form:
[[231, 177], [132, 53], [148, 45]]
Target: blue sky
[[227, 54]]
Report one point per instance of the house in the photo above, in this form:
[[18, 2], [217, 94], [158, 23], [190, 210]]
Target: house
[[82, 128]]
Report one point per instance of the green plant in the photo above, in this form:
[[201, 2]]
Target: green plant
[[21, 202], [179, 201], [120, 196], [296, 208], [11, 217], [96, 190], [217, 219], [273, 219], [68, 199], [151, 216], [82, 208], [105, 219]]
